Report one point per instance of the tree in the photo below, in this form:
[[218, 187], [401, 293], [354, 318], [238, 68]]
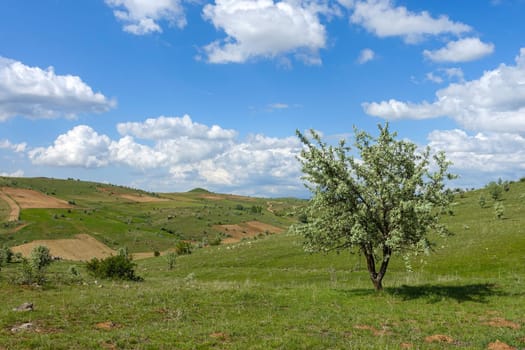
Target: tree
[[383, 203]]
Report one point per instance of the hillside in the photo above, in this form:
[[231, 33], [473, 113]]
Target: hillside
[[50, 209], [266, 293]]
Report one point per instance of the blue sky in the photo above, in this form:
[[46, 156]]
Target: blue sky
[[167, 95]]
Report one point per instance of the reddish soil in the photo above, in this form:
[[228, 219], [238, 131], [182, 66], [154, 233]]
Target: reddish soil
[[439, 338], [498, 345], [245, 230]]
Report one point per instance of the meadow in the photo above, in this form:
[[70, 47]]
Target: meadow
[[264, 292]]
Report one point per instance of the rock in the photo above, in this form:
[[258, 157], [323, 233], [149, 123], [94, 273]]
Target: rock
[[22, 327], [24, 307]]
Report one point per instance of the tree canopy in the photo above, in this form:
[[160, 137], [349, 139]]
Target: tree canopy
[[382, 202]]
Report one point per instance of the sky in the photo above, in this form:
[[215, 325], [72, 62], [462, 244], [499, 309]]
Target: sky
[[169, 95]]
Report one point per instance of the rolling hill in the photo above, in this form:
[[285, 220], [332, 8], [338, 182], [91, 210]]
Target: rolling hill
[[262, 292]]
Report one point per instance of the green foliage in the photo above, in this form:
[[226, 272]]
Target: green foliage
[[113, 267], [40, 258], [482, 201], [303, 218], [495, 190], [171, 259], [499, 210], [256, 209], [383, 203], [6, 256], [183, 248]]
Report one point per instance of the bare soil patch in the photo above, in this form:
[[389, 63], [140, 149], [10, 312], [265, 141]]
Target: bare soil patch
[[498, 345], [439, 338], [81, 248], [14, 209], [247, 229], [142, 198], [33, 199], [501, 322]]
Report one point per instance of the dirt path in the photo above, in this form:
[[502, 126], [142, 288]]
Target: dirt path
[[14, 212]]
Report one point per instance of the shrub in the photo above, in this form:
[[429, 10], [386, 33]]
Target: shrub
[[33, 269], [482, 201], [113, 267], [183, 248], [156, 253], [170, 259], [495, 190], [40, 258], [499, 210], [6, 256]]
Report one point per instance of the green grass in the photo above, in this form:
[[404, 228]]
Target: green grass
[[269, 294]]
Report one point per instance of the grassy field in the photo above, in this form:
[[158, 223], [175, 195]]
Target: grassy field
[[266, 293]]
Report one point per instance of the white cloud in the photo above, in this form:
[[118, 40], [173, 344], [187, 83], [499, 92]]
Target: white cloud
[[383, 19], [365, 56], [454, 73], [494, 102], [142, 17], [189, 153], [484, 153], [171, 127], [15, 147], [462, 50], [434, 78], [36, 93], [17, 173], [278, 106], [266, 29], [79, 147]]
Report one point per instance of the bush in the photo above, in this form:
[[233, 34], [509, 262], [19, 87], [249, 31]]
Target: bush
[[6, 256], [40, 258], [170, 259], [183, 248], [495, 190], [156, 253], [113, 267], [33, 269]]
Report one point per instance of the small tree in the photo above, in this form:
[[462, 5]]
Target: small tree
[[495, 190], [499, 210], [482, 201], [171, 257], [381, 204]]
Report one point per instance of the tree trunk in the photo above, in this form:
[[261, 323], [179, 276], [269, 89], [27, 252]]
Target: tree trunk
[[377, 277]]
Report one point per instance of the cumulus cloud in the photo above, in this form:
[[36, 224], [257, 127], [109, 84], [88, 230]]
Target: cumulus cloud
[[488, 155], [462, 50], [266, 29], [191, 154], [37, 93], [494, 102], [79, 147], [15, 147], [384, 19], [171, 127], [142, 17], [17, 173], [365, 56]]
